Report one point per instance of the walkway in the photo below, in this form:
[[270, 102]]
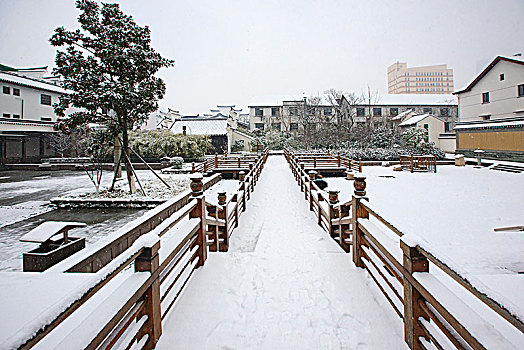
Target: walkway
[[284, 285]]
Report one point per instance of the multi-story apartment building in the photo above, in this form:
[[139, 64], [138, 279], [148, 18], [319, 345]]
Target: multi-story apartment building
[[26, 114], [290, 115], [419, 80], [492, 110]]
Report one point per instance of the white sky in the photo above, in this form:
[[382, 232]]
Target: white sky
[[228, 52]]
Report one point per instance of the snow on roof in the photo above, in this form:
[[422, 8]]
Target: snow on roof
[[24, 81], [414, 120], [399, 116], [48, 229], [214, 126], [486, 125], [417, 99]]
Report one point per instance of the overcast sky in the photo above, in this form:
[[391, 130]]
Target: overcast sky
[[229, 52]]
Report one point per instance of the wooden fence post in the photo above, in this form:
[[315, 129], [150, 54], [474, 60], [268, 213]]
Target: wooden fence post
[[338, 160], [242, 178], [333, 212], [312, 177], [212, 229], [358, 212], [300, 179], [192, 167], [199, 212], [222, 214], [413, 262], [411, 162], [149, 261]]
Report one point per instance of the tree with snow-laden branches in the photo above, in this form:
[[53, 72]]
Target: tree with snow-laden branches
[[108, 67]]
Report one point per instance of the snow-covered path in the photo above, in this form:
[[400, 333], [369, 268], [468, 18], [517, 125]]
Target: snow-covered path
[[285, 284]]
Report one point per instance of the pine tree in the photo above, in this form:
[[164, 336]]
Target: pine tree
[[108, 66]]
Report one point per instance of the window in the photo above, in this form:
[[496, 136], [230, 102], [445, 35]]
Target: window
[[6, 115], [16, 92], [259, 126], [428, 110], [393, 111], [45, 99], [502, 77], [276, 126], [444, 112], [486, 117], [6, 90], [293, 126], [328, 111], [447, 126], [105, 111], [45, 119], [274, 111], [520, 90], [16, 116], [259, 112], [293, 110], [426, 126], [377, 111], [485, 97], [360, 111]]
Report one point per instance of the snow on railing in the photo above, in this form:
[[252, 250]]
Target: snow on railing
[[434, 315], [132, 313], [222, 218]]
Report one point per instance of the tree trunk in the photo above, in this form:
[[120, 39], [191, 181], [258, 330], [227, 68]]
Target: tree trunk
[[116, 156], [127, 159]]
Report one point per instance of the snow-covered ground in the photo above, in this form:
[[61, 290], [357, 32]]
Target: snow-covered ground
[[285, 284]]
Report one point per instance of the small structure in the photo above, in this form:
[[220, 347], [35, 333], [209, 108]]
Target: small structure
[[52, 249], [418, 163]]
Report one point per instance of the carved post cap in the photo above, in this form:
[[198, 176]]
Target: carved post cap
[[302, 166], [196, 184], [333, 196], [222, 198], [250, 166], [360, 184], [242, 175], [349, 174], [312, 174]]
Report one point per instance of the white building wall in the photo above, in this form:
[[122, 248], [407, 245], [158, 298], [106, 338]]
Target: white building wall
[[504, 102]]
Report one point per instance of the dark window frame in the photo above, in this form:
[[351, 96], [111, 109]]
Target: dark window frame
[[46, 119], [393, 111], [377, 111], [16, 92], [259, 112], [274, 111], [444, 112], [427, 110], [361, 111], [16, 116], [520, 90], [485, 97], [501, 76], [6, 115], [6, 90], [45, 99]]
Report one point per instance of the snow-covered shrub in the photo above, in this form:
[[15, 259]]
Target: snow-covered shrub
[[156, 144], [237, 146], [177, 162]]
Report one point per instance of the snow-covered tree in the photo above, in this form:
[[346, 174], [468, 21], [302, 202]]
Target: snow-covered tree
[[108, 66]]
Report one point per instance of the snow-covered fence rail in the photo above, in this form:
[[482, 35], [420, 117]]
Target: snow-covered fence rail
[[222, 218], [434, 315], [322, 160], [226, 161], [124, 309], [434, 312], [93, 260], [418, 163]]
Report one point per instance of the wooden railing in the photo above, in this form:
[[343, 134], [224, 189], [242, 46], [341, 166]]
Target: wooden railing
[[322, 160], [98, 258], [419, 163], [223, 217], [225, 161], [164, 259], [434, 316], [131, 314]]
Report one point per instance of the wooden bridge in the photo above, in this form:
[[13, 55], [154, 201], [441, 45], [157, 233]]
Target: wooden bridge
[[268, 267]]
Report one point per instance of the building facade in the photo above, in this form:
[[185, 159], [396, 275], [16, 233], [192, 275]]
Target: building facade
[[419, 80], [291, 115], [27, 117], [492, 111]]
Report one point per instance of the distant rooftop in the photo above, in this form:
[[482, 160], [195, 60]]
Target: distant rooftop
[[201, 126]]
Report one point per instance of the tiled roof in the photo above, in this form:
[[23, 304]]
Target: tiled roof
[[199, 126]]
